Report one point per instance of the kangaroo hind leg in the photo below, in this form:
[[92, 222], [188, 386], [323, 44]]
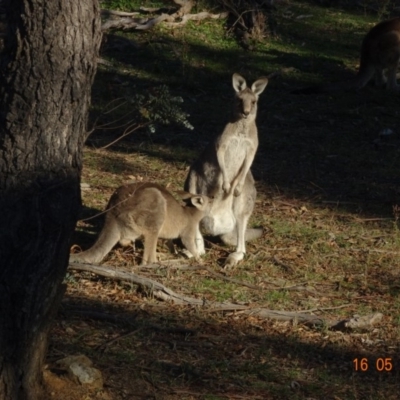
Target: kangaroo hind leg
[[150, 247], [238, 255], [191, 244], [150, 220]]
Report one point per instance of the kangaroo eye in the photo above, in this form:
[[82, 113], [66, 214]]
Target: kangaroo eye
[[253, 102]]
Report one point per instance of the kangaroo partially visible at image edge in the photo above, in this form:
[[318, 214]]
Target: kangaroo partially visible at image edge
[[150, 211], [379, 58], [223, 172]]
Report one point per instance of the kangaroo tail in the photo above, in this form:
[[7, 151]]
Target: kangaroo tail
[[230, 238], [107, 239], [253, 234]]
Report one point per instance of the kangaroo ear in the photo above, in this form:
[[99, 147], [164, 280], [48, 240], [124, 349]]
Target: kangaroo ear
[[239, 83], [259, 85], [197, 201]]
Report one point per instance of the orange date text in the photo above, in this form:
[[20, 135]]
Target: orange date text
[[380, 364]]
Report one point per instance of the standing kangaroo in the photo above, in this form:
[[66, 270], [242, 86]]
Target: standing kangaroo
[[380, 53], [223, 172], [148, 210]]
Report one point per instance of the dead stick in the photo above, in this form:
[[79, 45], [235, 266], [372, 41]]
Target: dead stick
[[326, 308], [120, 337]]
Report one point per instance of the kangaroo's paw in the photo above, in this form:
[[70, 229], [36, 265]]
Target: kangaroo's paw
[[76, 258], [238, 190], [226, 187], [233, 259], [200, 247], [187, 253]]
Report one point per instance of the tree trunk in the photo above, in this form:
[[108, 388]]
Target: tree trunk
[[47, 68]]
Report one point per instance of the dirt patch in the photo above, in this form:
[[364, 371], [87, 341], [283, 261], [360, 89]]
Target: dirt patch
[[62, 388]]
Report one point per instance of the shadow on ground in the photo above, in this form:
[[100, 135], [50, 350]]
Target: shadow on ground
[[161, 350]]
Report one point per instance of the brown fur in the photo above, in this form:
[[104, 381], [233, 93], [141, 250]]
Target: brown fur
[[146, 210], [379, 58]]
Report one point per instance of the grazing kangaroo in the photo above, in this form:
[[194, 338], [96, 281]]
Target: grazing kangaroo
[[223, 172], [148, 210], [380, 53]]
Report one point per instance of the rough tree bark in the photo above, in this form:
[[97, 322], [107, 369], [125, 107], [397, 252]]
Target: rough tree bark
[[46, 71]]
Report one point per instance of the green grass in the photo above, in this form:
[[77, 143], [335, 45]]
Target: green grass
[[327, 194]]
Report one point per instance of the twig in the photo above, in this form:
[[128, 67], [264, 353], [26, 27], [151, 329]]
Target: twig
[[196, 17], [298, 287], [118, 13], [326, 308], [286, 267], [126, 133], [107, 209], [179, 18], [88, 133], [170, 264], [157, 289], [104, 345], [375, 251]]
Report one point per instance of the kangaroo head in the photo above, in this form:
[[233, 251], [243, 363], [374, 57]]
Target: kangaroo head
[[246, 98]]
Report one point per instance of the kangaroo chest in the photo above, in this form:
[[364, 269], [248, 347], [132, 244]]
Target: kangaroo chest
[[239, 147]]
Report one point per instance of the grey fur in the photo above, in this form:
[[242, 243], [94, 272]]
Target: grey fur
[[223, 172]]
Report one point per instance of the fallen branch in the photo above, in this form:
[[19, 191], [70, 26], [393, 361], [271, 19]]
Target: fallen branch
[[185, 6], [129, 20], [154, 21], [161, 292], [134, 23], [358, 322], [157, 289], [105, 12], [326, 308], [270, 314], [195, 17]]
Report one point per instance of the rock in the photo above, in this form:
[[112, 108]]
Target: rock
[[79, 369]]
